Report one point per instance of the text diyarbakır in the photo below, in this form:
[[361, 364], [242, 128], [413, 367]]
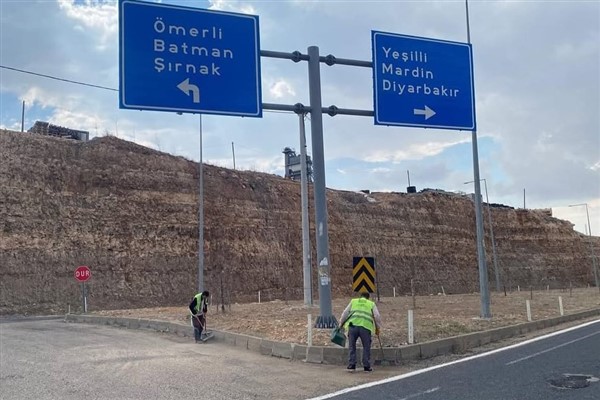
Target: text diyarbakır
[[425, 89]]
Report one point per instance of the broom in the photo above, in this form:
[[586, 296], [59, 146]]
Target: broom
[[383, 361]]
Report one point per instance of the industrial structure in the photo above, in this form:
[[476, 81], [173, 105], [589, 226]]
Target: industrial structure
[[293, 168], [46, 128]]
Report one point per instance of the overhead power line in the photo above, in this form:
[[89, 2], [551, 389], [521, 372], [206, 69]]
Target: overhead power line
[[88, 84], [58, 79]]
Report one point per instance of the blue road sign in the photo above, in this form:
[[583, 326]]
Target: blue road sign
[[183, 59], [422, 82]]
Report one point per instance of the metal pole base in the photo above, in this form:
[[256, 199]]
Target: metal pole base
[[326, 322]]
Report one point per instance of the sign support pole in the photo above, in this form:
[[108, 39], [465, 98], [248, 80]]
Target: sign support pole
[[483, 275], [200, 217], [326, 320], [83, 300], [306, 261]]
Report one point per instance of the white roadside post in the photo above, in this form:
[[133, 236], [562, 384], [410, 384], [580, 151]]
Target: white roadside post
[[528, 304], [309, 329], [411, 327], [560, 306]]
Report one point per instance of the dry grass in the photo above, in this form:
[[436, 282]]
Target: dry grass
[[435, 316]]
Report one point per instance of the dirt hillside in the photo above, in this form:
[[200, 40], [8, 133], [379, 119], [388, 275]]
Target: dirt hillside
[[130, 214]]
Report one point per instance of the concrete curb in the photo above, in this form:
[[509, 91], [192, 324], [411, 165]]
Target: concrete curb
[[337, 355]]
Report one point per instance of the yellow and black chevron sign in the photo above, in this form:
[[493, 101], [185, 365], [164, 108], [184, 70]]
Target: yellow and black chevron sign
[[363, 274]]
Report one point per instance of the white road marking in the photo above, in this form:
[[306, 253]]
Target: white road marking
[[412, 396], [424, 370], [552, 348]]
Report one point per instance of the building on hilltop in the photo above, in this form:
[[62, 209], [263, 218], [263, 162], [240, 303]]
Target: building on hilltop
[[293, 166], [46, 128]]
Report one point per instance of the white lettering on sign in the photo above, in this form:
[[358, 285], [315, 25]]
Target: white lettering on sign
[[170, 60], [160, 64], [401, 89], [211, 33], [414, 72], [184, 48], [413, 56], [390, 67], [82, 274]]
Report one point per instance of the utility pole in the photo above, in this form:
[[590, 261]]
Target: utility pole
[[23, 117], [306, 259], [495, 258], [594, 266], [233, 152]]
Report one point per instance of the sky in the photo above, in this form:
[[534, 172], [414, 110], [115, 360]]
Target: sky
[[536, 67]]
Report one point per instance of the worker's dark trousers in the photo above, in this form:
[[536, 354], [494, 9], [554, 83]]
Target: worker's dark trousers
[[364, 334], [198, 323]]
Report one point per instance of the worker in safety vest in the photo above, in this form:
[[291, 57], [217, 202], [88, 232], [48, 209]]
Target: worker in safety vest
[[362, 319], [199, 308]]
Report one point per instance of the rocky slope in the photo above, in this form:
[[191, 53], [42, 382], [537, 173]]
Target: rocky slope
[[130, 213]]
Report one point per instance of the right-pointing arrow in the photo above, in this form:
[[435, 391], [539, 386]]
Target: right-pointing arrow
[[186, 87], [427, 112]]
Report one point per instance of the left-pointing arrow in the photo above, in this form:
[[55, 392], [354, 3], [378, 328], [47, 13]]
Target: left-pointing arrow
[[427, 112], [186, 87]]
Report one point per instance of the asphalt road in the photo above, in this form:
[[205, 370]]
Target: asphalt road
[[49, 359], [564, 365]]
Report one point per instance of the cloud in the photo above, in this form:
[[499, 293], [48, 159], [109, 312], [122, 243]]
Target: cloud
[[96, 15], [380, 170], [281, 89], [416, 151], [537, 85], [232, 6]]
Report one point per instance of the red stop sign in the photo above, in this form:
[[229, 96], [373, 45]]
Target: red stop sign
[[83, 273]]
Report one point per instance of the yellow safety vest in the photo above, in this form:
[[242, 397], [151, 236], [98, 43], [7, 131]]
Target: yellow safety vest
[[361, 310], [198, 307]]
